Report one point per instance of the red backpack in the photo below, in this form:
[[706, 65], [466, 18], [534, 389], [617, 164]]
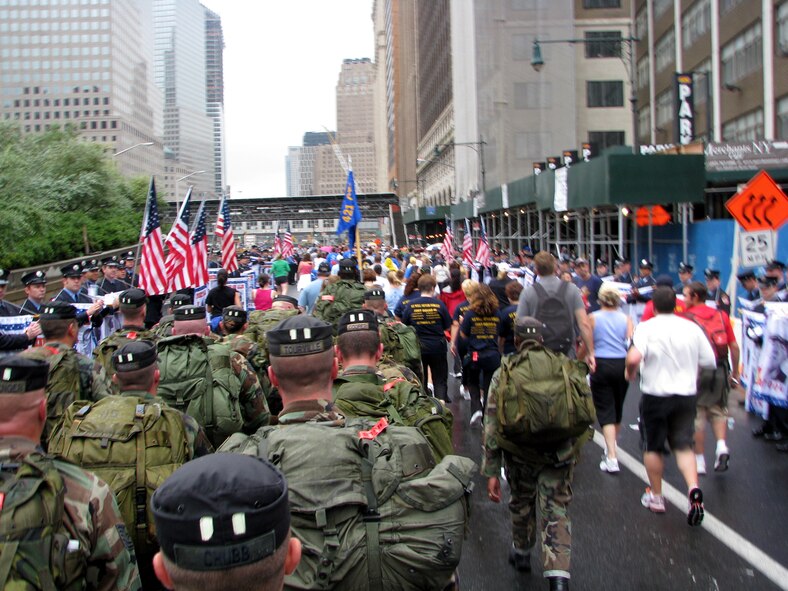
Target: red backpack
[[714, 327]]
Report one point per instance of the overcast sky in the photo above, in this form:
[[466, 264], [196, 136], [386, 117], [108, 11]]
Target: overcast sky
[[281, 64]]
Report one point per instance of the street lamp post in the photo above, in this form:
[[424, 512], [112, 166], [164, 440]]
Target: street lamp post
[[130, 148], [477, 147], [183, 178], [538, 63]]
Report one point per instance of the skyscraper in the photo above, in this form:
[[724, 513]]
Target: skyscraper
[[214, 84], [180, 72], [91, 67]]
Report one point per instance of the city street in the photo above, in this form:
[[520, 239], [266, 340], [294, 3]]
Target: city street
[[617, 544]]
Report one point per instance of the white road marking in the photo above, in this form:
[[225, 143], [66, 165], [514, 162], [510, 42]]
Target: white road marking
[[768, 566]]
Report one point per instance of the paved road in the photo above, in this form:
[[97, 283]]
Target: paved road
[[617, 544]]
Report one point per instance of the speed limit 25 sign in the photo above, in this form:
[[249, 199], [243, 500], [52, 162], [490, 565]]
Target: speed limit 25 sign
[[757, 248]]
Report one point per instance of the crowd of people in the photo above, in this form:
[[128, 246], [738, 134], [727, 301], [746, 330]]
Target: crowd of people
[[179, 455]]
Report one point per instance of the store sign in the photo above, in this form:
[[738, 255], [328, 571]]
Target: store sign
[[753, 155], [685, 109]]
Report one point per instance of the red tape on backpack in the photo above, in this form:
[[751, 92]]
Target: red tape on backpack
[[379, 427]]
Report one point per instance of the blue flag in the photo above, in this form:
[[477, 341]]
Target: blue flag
[[349, 211]]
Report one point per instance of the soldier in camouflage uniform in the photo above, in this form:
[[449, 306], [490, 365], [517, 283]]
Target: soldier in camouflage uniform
[[100, 551], [254, 407], [164, 326], [534, 476], [234, 325], [59, 326], [132, 304]]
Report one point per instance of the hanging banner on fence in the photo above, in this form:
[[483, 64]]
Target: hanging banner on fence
[[200, 294]]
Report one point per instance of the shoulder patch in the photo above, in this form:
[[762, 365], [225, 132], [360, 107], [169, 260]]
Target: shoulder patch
[[327, 298]]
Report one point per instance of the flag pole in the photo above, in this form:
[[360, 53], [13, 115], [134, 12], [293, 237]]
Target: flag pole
[[358, 254], [142, 230]]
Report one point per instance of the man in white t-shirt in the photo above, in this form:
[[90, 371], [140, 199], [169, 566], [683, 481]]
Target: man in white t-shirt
[[669, 351]]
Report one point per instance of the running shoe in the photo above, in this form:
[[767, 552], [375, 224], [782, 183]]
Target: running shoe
[[695, 515], [609, 465], [652, 502], [701, 462], [723, 457], [476, 418]]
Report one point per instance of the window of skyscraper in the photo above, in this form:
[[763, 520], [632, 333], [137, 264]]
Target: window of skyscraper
[[597, 49], [601, 3], [604, 93]]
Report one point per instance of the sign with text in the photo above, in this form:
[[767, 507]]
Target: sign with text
[[760, 205], [757, 248], [685, 109], [758, 154]]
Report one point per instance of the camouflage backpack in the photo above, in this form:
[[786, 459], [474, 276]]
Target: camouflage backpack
[[401, 343], [34, 543], [542, 398], [338, 298], [197, 378], [106, 348], [133, 446], [163, 328], [401, 403], [260, 322], [64, 384], [384, 516]]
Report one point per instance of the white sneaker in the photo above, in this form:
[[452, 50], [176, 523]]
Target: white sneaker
[[701, 462], [476, 418], [464, 393], [431, 388], [609, 465], [722, 458]]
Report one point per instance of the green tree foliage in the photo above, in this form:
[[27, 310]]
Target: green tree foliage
[[54, 188]]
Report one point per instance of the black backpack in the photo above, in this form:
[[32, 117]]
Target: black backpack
[[558, 320]]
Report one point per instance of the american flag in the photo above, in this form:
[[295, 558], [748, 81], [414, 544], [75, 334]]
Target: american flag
[[448, 243], [224, 230], [178, 264], [277, 242], [287, 243], [483, 252], [153, 278], [467, 246], [199, 249]]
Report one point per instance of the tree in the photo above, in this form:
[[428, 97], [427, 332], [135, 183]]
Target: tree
[[55, 190]]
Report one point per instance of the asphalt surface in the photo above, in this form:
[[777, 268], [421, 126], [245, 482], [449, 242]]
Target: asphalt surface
[[617, 544]]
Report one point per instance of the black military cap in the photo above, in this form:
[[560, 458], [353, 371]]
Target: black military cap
[[348, 264], [323, 269], [745, 275], [90, 265], [19, 375], [134, 355], [775, 264], [34, 277], [300, 335], [113, 261], [3, 277], [711, 273], [71, 270], [767, 281], [58, 311], [528, 328], [375, 294], [685, 268], [286, 298], [236, 313], [129, 256], [645, 264], [132, 299], [622, 261], [600, 262], [221, 511], [189, 313], [180, 299], [357, 320], [244, 255]]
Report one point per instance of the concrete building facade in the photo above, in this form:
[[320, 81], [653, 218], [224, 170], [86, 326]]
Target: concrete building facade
[[90, 66]]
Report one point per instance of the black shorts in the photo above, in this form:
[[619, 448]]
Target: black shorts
[[280, 280], [667, 418], [609, 388]]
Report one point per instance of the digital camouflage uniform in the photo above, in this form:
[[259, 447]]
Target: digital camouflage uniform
[[92, 519], [533, 477]]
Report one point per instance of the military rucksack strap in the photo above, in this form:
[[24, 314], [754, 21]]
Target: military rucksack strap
[[7, 560], [210, 419], [141, 493], [371, 517], [79, 416], [330, 547]]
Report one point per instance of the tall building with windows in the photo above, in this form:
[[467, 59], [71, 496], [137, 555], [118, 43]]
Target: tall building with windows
[[214, 83], [180, 72], [87, 64], [735, 52]]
